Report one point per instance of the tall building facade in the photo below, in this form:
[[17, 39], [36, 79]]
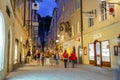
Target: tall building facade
[[93, 30], [15, 30], [68, 27], [52, 35], [100, 31]]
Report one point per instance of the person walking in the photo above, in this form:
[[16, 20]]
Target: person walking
[[56, 58], [38, 58], [35, 55], [28, 56], [48, 58], [73, 58], [42, 58], [65, 58]]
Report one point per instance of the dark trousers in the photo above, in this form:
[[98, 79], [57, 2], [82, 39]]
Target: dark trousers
[[65, 63], [117, 74], [42, 61], [73, 63]]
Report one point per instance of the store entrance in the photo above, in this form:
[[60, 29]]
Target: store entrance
[[98, 57]]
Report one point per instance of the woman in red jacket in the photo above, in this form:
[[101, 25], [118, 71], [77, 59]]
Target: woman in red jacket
[[73, 58], [65, 57]]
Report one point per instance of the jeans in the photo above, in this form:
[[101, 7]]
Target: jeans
[[117, 74], [73, 63], [65, 63], [42, 61], [57, 61]]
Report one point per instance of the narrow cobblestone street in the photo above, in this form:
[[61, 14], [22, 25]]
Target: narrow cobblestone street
[[34, 71]]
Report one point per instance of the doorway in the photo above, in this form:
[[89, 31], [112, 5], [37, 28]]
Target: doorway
[[98, 54]]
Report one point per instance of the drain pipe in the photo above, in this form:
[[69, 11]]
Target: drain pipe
[[81, 15], [81, 33]]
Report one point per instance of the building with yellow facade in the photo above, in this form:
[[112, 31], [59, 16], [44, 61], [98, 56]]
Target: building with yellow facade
[[101, 27], [92, 28], [15, 19]]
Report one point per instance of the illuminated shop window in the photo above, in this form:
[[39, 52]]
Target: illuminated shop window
[[91, 51], [105, 51], [1, 41]]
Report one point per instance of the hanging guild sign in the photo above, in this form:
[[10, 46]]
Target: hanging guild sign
[[111, 9], [35, 6]]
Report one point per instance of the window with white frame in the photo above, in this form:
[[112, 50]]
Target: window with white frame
[[2, 34], [103, 10], [91, 20]]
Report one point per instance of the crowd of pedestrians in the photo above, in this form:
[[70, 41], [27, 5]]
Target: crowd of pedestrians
[[53, 58]]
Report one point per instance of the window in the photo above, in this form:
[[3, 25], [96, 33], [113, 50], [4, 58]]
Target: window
[[73, 31], [23, 52], [91, 20], [105, 51], [91, 51], [2, 34], [103, 10], [78, 26], [18, 4], [16, 52]]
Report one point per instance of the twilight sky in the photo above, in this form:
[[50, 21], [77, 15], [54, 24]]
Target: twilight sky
[[46, 7]]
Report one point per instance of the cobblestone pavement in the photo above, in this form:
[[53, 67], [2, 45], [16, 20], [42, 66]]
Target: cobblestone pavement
[[81, 72]]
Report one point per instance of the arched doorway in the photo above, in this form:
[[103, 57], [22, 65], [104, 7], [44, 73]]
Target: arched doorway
[[2, 39]]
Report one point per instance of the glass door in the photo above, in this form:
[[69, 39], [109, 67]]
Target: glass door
[[97, 53]]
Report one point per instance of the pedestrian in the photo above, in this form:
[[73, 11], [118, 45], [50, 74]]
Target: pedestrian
[[42, 58], [28, 56], [35, 55], [52, 58], [56, 58], [65, 58], [73, 58], [38, 57], [48, 58]]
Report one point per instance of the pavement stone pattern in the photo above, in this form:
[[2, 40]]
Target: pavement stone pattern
[[34, 71]]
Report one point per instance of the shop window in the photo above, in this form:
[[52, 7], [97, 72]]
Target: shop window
[[105, 51], [91, 51], [2, 34]]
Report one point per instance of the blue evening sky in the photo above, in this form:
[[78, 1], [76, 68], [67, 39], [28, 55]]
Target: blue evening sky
[[46, 7]]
